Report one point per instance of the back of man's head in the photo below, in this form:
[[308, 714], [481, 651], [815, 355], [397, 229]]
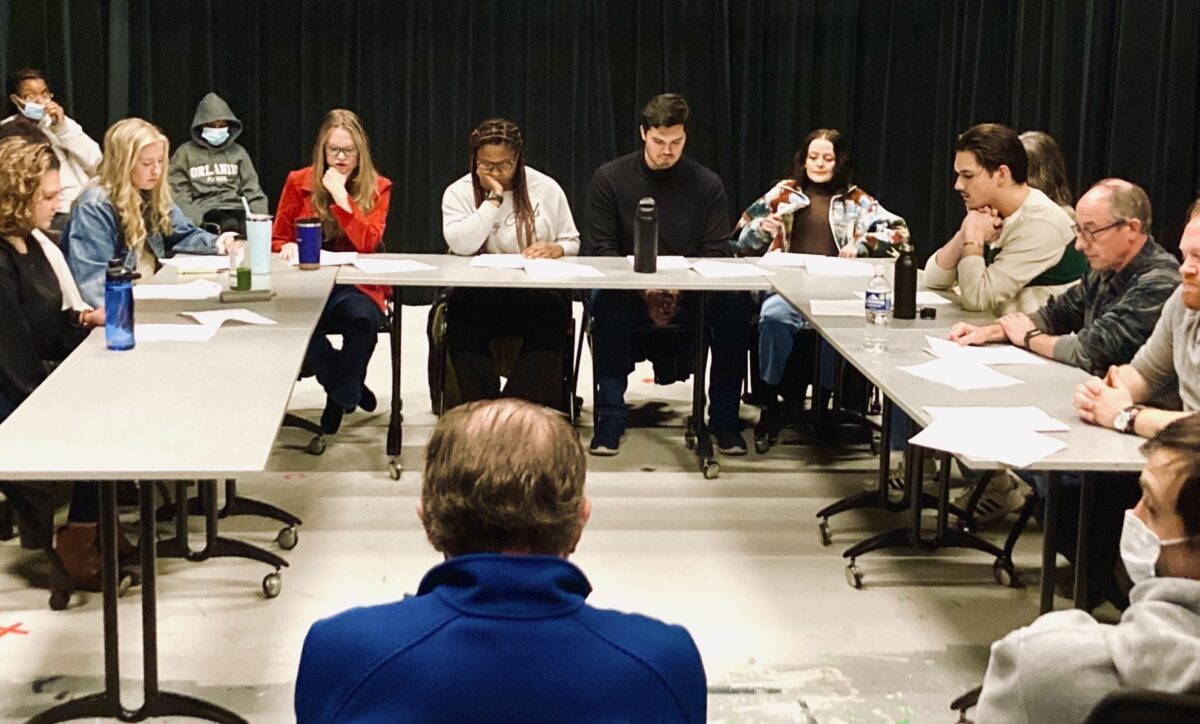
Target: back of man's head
[[503, 476], [995, 145], [1126, 200]]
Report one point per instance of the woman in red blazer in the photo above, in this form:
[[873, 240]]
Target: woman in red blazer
[[343, 190]]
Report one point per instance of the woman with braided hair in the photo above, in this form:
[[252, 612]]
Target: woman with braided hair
[[502, 206]]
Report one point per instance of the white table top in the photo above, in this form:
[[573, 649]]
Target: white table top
[[455, 271], [171, 410]]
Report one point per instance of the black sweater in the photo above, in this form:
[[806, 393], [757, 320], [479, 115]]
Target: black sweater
[[693, 218], [34, 328]]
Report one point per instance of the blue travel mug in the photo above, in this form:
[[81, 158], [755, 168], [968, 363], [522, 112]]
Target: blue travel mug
[[118, 306], [308, 238]]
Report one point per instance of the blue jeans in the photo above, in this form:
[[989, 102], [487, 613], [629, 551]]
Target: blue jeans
[[356, 317], [778, 324], [615, 316]]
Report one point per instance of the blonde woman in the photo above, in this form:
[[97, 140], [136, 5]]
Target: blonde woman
[[127, 212], [343, 190]]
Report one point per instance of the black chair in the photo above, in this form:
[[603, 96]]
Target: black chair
[[443, 387]]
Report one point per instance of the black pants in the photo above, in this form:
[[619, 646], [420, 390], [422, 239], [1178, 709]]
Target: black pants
[[538, 317], [1114, 494], [356, 317]]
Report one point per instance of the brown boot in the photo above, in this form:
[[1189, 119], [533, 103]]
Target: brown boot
[[78, 547]]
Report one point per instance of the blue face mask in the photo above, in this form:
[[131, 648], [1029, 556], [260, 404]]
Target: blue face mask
[[33, 111], [215, 136]]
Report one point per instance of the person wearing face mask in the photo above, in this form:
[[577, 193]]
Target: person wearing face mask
[[29, 98], [816, 211], [127, 212], [212, 173], [1059, 667]]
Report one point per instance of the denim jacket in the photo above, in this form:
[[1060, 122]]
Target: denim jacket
[[93, 235], [854, 216]]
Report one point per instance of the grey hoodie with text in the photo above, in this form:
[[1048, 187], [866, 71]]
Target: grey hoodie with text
[[204, 177], [1060, 666]]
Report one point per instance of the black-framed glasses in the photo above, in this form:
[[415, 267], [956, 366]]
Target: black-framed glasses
[[334, 152], [497, 166], [1089, 235]]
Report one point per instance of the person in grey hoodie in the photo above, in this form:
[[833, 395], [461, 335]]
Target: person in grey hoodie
[[1059, 667], [211, 173]]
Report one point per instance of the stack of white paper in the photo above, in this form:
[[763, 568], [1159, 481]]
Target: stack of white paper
[[924, 298], [217, 317], [1014, 447], [668, 263], [188, 264], [960, 375], [556, 269], [174, 332], [390, 266], [783, 258], [195, 289], [988, 355], [833, 266], [497, 261], [331, 258], [1030, 418], [712, 269], [837, 308]]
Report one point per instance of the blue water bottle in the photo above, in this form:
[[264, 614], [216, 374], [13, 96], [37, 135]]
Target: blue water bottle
[[118, 305]]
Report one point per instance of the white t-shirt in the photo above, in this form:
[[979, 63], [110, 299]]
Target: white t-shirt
[[470, 230]]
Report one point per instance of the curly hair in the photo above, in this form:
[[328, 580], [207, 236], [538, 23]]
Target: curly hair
[[504, 132], [22, 167], [503, 475], [360, 185], [123, 143]]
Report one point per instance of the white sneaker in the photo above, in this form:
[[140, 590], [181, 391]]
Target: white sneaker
[[1001, 498]]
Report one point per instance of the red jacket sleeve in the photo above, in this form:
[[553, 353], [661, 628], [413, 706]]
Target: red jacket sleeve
[[365, 231], [290, 208]]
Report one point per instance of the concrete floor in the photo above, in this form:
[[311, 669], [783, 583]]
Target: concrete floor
[[737, 560]]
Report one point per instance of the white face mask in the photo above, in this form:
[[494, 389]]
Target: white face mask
[[1140, 548]]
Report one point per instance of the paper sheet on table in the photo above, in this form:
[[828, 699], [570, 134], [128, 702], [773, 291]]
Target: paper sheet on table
[[331, 258], [960, 375], [555, 269], [1027, 418], [667, 263], [195, 289], [833, 266], [837, 308], [174, 332], [192, 264], [711, 269], [924, 298], [988, 355], [497, 261], [783, 258], [390, 266], [1016, 448], [220, 316]]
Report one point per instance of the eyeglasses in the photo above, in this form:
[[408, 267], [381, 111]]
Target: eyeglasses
[[497, 166], [1089, 235], [43, 98], [335, 152]]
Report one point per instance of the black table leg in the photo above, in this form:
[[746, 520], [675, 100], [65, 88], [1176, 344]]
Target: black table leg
[[697, 426], [395, 434], [1049, 549], [1087, 492], [156, 703]]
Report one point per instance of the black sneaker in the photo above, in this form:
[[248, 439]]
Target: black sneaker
[[331, 417], [606, 439], [731, 443]]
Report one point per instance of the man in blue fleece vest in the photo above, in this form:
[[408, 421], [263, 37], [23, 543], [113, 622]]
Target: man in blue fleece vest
[[500, 631]]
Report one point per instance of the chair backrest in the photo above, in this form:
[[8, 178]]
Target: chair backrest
[[1146, 707]]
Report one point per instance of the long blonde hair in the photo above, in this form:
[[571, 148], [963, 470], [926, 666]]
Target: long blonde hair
[[123, 142], [360, 185]]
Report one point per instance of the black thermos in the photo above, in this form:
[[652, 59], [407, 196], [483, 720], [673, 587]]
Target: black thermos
[[645, 237], [904, 285]]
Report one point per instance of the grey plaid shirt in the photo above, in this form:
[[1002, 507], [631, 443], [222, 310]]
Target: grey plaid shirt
[[1106, 318]]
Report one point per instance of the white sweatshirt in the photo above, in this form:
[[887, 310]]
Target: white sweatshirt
[[470, 230], [78, 156]]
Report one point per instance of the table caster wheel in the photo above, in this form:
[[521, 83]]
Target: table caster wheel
[[854, 576], [288, 538], [315, 446], [762, 445], [272, 584], [689, 440], [394, 469], [59, 600], [824, 532], [1005, 574], [711, 469]]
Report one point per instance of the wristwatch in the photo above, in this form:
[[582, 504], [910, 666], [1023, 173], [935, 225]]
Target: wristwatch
[[1030, 335], [1124, 421], [493, 196]]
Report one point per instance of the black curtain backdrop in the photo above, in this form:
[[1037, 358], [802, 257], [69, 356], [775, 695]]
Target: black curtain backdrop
[[1115, 81]]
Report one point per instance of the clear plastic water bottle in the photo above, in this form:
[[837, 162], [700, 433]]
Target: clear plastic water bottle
[[878, 305]]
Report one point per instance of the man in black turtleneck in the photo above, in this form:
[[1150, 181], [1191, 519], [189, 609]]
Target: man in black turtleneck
[[693, 220]]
